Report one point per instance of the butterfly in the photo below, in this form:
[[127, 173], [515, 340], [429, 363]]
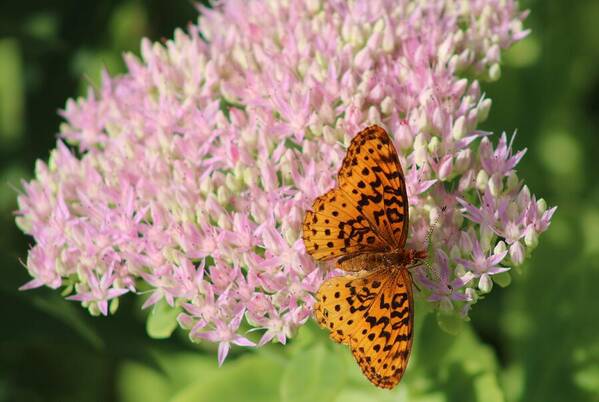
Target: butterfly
[[363, 224]]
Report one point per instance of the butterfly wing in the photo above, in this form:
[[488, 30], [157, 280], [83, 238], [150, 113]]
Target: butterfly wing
[[335, 228], [373, 314], [368, 212], [372, 175]]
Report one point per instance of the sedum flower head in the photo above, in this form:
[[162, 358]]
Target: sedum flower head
[[192, 172]]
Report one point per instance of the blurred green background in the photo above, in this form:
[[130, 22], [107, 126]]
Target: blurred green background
[[536, 340]]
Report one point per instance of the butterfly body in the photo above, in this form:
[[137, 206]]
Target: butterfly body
[[393, 260], [363, 224]]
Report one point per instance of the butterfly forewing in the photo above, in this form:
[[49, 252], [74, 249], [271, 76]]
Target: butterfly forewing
[[371, 174], [335, 228], [368, 212]]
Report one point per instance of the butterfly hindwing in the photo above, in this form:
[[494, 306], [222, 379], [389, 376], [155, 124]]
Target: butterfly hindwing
[[373, 315]]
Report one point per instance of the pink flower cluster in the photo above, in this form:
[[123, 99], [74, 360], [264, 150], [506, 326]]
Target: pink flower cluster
[[193, 171]]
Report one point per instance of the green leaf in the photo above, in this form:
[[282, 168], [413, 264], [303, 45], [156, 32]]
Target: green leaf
[[450, 323], [162, 321], [315, 374], [138, 382], [524, 53], [128, 22], [361, 395], [451, 363], [307, 335], [503, 279], [487, 389], [184, 368], [12, 92], [588, 379], [248, 379], [513, 382]]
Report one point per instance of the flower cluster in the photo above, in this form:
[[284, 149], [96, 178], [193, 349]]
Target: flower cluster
[[193, 171]]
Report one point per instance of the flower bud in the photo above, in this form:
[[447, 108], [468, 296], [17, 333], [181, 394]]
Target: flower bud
[[531, 238], [524, 197], [466, 181], [445, 50], [457, 217], [291, 235], [374, 116], [493, 53], [329, 135], [232, 183], [485, 284], [386, 105], [113, 305], [452, 64], [471, 295], [500, 247], [313, 6], [486, 237], [250, 176], [444, 170], [455, 252], [206, 186], [93, 309], [388, 43], [420, 141], [512, 181], [434, 145], [458, 129], [483, 109], [460, 271], [459, 87], [462, 160], [541, 205], [495, 185], [482, 178], [404, 136], [494, 72], [420, 156], [464, 59], [223, 195], [517, 253], [513, 211]]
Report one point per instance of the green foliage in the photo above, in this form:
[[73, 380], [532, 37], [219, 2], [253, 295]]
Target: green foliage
[[443, 368], [162, 321], [253, 378], [11, 92], [535, 340], [313, 373]]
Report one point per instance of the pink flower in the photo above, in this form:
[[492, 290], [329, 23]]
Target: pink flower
[[479, 263], [500, 160], [225, 334], [192, 172], [444, 290], [100, 291]]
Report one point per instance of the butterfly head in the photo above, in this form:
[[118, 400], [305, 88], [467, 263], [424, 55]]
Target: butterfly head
[[407, 258], [416, 257]]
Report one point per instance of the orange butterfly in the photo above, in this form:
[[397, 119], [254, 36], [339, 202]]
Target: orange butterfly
[[364, 224]]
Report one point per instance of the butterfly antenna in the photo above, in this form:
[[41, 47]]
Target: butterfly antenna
[[429, 243]]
